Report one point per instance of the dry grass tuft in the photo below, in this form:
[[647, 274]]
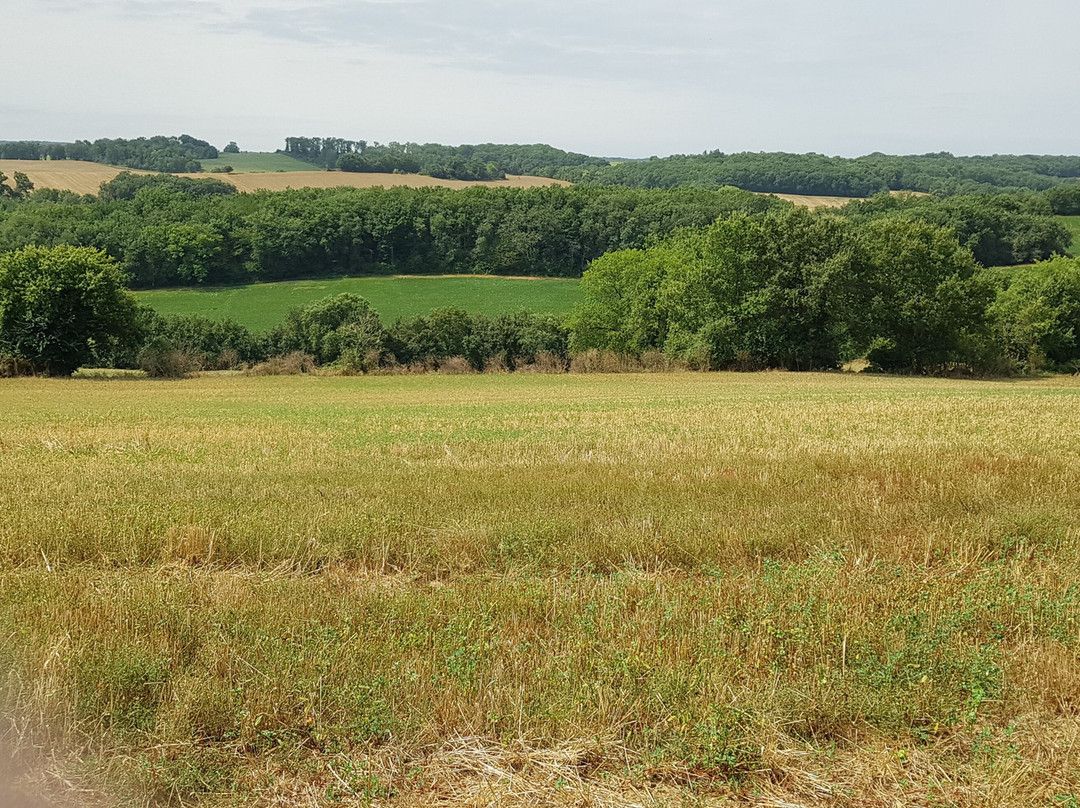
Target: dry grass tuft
[[292, 364]]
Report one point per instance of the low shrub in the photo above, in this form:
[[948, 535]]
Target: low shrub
[[292, 364], [12, 366], [161, 360], [455, 366], [545, 362]]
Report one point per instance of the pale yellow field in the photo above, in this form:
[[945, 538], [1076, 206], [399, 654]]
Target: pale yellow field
[[569, 591], [814, 202], [86, 178], [282, 180], [65, 175]]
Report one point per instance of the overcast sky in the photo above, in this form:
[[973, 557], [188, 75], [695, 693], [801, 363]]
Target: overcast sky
[[625, 78]]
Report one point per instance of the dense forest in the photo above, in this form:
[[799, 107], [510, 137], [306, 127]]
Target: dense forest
[[485, 161], [158, 153], [940, 174], [175, 231], [777, 172], [170, 231]]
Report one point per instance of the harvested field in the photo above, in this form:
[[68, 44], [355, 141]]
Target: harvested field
[[550, 590], [86, 178], [283, 180], [816, 201], [65, 175]]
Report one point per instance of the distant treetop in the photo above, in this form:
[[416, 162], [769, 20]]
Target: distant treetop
[[939, 173], [158, 153]]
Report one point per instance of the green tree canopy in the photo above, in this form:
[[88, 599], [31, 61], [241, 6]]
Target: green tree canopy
[[340, 327], [61, 306]]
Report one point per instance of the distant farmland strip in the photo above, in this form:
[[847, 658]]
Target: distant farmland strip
[[282, 180], [64, 175], [257, 172], [86, 178]]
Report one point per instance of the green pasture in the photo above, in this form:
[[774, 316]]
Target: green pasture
[[253, 162], [261, 306], [1073, 224]]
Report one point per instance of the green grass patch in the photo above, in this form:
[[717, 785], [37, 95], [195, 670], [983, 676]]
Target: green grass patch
[[261, 306], [1073, 224], [253, 162]]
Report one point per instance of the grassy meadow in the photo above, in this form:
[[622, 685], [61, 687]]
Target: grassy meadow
[[1073, 224], [257, 162], [261, 306], [700, 589]]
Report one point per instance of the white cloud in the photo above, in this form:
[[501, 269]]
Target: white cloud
[[619, 78]]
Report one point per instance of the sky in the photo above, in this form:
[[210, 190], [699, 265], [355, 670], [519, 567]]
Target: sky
[[615, 78]]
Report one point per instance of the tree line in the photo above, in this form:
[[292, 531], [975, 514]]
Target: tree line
[[158, 153], [940, 174], [170, 231], [484, 161], [174, 231], [782, 288], [802, 291]]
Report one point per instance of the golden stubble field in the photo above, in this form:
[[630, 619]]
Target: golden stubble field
[[86, 178], [763, 589]]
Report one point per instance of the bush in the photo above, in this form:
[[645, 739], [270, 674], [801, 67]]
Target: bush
[[162, 360], [328, 329], [1036, 317], [218, 344], [456, 366], [60, 305], [292, 364], [12, 366], [597, 361]]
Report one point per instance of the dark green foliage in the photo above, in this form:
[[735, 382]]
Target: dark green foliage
[[24, 150], [158, 153], [1036, 316], [921, 306], [1000, 230], [169, 231], [61, 306], [485, 161], [232, 148], [778, 172], [57, 196], [510, 340], [384, 163], [160, 359], [790, 289], [340, 328], [1065, 200], [126, 185], [215, 343], [767, 290]]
